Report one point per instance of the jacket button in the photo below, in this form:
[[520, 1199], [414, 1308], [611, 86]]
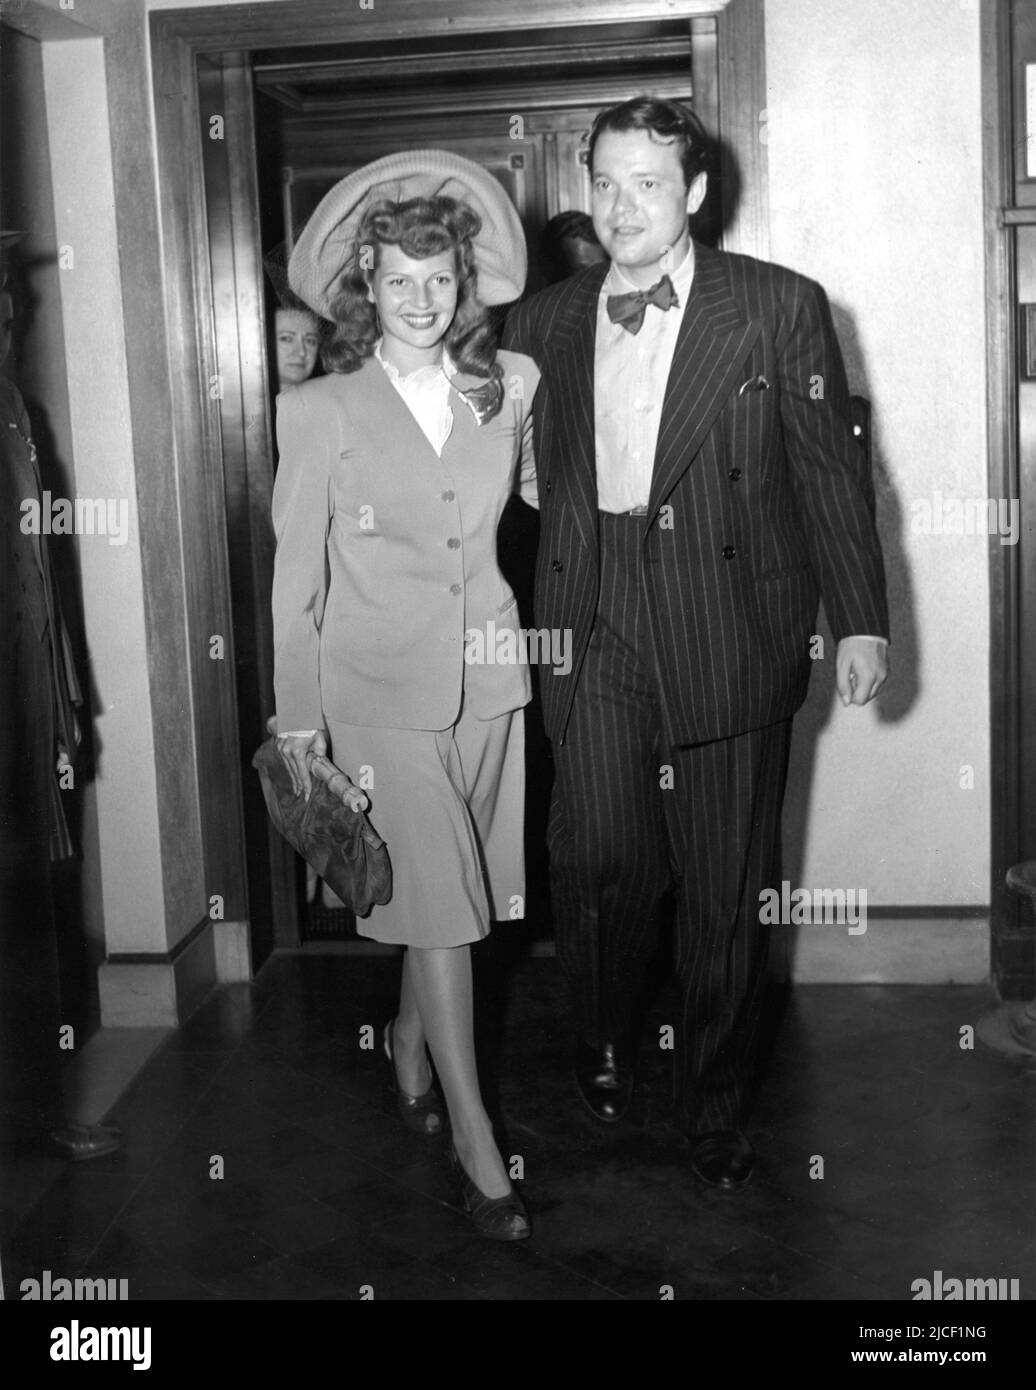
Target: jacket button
[[557, 566], [455, 589], [735, 475], [729, 552], [449, 495], [547, 485], [453, 543]]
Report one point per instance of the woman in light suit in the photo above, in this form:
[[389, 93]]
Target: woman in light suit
[[394, 471]]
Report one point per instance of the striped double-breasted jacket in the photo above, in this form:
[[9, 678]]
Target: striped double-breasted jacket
[[761, 500]]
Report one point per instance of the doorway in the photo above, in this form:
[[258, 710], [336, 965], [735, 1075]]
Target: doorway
[[278, 124]]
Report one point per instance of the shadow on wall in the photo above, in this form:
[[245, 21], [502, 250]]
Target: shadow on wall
[[901, 691]]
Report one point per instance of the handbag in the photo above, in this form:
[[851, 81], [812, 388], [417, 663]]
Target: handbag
[[340, 843]]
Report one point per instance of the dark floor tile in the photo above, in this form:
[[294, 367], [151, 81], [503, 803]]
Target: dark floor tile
[[67, 1224], [355, 1262], [226, 1018], [228, 1252], [163, 1282], [423, 1282], [291, 1230], [119, 1251], [281, 1279]]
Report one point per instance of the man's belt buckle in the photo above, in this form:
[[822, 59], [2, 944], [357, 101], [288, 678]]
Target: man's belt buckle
[[637, 511]]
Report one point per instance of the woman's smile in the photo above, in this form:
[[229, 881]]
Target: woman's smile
[[416, 302]]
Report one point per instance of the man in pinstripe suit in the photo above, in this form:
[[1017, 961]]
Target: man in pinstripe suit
[[700, 490]]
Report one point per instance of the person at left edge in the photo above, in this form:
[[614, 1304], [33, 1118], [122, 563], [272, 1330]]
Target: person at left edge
[[394, 471], [38, 738]]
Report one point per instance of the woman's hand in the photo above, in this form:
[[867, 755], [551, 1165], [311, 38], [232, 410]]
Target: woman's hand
[[340, 784], [295, 750]]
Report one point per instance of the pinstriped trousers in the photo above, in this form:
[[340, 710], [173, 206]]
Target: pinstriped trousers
[[633, 821]]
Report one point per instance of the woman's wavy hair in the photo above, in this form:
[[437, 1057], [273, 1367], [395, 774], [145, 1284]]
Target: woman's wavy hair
[[420, 227]]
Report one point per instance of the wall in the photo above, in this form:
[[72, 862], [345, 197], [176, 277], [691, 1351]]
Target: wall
[[874, 143], [113, 596]]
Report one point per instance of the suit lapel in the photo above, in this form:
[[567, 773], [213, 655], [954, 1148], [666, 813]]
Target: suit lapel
[[713, 342], [572, 345]]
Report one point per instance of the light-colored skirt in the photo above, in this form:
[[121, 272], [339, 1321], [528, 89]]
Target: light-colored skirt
[[451, 808]]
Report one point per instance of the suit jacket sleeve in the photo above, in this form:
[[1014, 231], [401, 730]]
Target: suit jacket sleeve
[[513, 342], [830, 471], [512, 339], [302, 507]]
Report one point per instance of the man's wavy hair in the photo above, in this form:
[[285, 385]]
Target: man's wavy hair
[[666, 122], [420, 227]]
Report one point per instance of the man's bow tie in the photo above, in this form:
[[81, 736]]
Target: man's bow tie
[[629, 309]]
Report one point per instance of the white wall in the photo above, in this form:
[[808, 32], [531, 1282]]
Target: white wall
[[113, 593], [874, 146]]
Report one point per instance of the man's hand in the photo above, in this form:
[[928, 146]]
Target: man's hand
[[295, 751], [861, 669]]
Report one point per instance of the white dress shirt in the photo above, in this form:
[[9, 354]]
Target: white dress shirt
[[630, 375], [426, 394]]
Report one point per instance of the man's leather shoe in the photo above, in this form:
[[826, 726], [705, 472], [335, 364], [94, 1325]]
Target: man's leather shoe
[[605, 1083], [724, 1159], [79, 1142]]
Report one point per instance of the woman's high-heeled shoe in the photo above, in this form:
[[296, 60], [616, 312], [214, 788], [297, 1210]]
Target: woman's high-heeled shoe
[[423, 1114], [499, 1218]]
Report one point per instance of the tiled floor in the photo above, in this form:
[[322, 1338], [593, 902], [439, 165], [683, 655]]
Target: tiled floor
[[927, 1158]]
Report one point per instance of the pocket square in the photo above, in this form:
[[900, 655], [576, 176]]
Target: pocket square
[[756, 383]]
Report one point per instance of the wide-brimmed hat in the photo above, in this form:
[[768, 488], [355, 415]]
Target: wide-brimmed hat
[[327, 249]]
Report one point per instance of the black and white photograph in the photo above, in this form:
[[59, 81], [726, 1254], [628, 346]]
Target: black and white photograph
[[518, 665]]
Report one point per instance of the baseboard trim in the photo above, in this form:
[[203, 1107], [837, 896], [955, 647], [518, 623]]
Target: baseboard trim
[[907, 949], [165, 992], [898, 947]]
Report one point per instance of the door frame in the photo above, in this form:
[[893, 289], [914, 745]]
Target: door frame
[[730, 34], [1012, 614]]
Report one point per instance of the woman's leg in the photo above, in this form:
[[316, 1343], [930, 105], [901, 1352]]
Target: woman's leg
[[408, 1039], [441, 982]]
